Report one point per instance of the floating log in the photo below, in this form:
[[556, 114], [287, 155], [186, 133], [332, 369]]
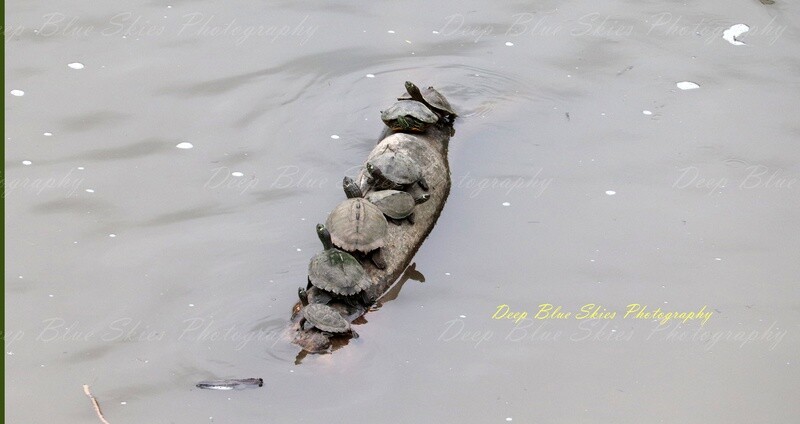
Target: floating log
[[429, 149]]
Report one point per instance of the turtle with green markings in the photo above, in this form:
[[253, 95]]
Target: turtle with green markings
[[334, 271], [409, 116]]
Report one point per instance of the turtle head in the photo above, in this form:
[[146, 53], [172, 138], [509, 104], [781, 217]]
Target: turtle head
[[324, 236], [373, 171], [351, 188], [423, 198], [413, 90]]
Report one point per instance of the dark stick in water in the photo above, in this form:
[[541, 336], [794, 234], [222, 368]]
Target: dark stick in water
[[232, 384]]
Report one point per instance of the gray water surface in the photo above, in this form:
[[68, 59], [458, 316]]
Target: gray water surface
[[581, 174]]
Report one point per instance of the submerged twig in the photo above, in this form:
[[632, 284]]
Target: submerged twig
[[95, 404]]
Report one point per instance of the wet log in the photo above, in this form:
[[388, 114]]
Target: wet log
[[429, 149]]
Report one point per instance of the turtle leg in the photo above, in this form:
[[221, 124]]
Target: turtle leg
[[394, 221], [353, 333], [422, 183], [365, 298], [351, 301], [302, 324], [377, 259], [303, 295], [410, 218]]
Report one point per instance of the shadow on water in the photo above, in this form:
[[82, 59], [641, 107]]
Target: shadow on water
[[411, 273]]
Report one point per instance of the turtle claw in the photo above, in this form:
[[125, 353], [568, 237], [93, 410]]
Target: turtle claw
[[394, 221], [410, 218], [424, 184], [354, 334]]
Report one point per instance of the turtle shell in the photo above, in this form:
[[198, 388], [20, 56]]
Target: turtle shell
[[397, 167], [337, 272], [435, 99], [410, 108], [325, 318], [357, 225], [395, 204]]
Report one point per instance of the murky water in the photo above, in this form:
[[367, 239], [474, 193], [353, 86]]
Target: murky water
[[167, 162]]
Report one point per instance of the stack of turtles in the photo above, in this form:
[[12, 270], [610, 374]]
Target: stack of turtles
[[356, 229], [416, 110]]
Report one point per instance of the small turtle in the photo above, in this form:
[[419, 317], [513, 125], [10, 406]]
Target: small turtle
[[335, 271], [396, 205], [394, 170], [313, 294], [409, 115], [356, 225], [325, 319], [431, 98]]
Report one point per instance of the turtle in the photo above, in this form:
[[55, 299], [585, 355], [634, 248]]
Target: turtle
[[326, 319], [431, 98], [396, 205], [334, 270], [356, 225], [313, 294], [409, 115], [392, 169], [349, 306]]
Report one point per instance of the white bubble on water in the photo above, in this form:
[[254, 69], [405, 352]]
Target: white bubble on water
[[335, 137], [184, 145], [687, 85], [731, 34], [506, 204], [18, 93], [89, 190], [76, 65], [370, 75], [237, 174], [647, 112], [509, 44], [27, 162], [611, 192]]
